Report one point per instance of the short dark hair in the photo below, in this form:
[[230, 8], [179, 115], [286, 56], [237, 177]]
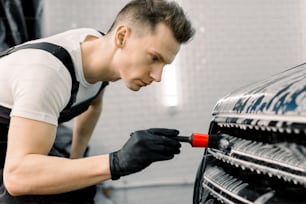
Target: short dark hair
[[152, 12]]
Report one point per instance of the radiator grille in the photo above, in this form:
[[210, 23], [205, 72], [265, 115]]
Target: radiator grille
[[266, 123]]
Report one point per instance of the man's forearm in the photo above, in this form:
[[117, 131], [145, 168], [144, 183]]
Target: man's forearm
[[53, 175], [83, 128]]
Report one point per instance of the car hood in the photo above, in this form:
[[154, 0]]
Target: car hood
[[282, 96]]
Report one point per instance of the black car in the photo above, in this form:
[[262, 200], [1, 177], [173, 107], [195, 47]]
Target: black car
[[265, 123]]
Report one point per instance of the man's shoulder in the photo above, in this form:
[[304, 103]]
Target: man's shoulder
[[81, 31]]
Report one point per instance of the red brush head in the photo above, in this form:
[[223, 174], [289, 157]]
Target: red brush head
[[199, 140]]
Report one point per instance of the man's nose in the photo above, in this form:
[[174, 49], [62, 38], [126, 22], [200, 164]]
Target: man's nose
[[156, 73]]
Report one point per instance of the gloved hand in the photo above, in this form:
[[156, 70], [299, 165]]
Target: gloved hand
[[143, 148]]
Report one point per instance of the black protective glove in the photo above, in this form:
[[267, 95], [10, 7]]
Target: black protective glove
[[143, 148]]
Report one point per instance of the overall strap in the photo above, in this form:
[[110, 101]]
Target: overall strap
[[62, 54], [68, 114], [59, 52]]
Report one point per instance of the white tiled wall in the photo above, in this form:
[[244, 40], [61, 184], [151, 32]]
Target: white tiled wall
[[237, 42]]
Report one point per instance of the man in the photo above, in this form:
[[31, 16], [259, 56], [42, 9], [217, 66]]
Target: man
[[37, 86]]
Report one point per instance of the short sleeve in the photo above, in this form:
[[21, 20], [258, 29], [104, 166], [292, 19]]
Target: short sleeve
[[41, 91]]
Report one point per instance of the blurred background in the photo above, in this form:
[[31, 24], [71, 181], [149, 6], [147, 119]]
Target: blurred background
[[237, 42]]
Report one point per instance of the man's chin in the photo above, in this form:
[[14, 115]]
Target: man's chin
[[134, 88]]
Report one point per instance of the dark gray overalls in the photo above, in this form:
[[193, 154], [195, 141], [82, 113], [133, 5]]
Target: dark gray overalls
[[83, 196]]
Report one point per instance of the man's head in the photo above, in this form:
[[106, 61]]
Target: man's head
[[143, 13], [147, 35]]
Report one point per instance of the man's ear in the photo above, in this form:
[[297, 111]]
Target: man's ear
[[121, 35]]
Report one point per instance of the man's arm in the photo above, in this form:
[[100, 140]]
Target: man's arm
[[84, 126], [28, 169]]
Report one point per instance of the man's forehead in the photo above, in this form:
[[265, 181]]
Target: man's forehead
[[167, 45], [159, 40], [169, 51]]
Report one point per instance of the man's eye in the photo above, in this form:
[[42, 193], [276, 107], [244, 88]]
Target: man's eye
[[154, 58]]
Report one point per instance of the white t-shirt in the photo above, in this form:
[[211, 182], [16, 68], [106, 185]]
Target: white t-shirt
[[36, 85]]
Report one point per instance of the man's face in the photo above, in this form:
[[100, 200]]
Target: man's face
[[142, 58]]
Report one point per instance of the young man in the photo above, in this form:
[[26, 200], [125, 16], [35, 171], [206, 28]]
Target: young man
[[36, 88]]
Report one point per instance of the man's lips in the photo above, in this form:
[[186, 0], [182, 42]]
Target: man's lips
[[145, 83]]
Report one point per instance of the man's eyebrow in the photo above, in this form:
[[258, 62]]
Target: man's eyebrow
[[161, 58]]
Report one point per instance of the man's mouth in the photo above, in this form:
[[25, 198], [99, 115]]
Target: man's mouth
[[144, 83]]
